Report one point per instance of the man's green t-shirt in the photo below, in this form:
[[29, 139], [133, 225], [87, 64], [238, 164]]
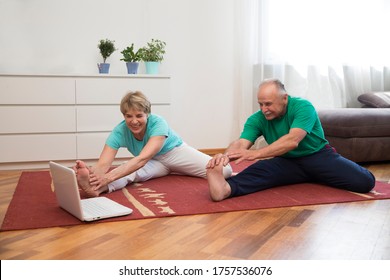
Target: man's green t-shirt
[[300, 113]]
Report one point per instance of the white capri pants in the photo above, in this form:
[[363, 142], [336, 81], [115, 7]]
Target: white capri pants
[[182, 160]]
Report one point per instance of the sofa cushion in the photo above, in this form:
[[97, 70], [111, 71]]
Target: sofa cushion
[[363, 149], [359, 134], [375, 99], [356, 122]]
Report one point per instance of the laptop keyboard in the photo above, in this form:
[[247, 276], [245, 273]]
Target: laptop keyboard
[[91, 208], [102, 207]]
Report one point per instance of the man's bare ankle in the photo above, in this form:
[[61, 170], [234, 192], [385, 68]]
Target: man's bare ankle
[[219, 193], [217, 197]]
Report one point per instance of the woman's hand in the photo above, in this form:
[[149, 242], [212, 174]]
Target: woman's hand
[[97, 181], [218, 159]]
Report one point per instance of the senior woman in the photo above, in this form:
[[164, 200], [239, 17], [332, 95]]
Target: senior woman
[[157, 151]]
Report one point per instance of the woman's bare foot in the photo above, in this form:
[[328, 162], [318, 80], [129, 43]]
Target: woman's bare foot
[[82, 173], [218, 187]]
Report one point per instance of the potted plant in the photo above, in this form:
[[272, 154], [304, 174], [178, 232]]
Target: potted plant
[[132, 58], [152, 54], [106, 48]]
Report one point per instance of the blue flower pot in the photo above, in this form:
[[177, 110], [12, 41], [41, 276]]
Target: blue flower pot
[[104, 68], [132, 67]]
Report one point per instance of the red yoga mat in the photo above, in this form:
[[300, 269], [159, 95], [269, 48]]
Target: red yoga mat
[[34, 204]]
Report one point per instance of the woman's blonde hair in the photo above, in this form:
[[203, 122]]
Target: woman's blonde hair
[[135, 100]]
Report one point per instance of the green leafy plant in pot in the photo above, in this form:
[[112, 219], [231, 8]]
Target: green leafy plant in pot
[[132, 58], [106, 47], [152, 54]]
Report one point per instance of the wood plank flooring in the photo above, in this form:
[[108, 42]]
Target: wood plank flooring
[[358, 230]]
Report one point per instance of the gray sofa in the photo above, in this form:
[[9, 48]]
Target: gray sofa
[[359, 134]]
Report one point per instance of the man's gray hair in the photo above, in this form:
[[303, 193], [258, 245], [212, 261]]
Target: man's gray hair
[[275, 82]]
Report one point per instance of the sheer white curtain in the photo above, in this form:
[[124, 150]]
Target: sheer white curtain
[[328, 51], [246, 39]]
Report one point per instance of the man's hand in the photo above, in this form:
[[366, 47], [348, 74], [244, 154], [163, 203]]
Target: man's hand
[[242, 154]]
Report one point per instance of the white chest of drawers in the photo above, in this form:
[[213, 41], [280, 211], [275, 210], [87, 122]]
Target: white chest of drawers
[[51, 117]]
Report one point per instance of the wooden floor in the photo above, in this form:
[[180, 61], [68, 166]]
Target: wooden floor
[[337, 231]]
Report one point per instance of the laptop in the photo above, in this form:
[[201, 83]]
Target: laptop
[[68, 197]]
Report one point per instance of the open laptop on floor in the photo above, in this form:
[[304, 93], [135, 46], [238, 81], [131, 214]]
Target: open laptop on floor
[[68, 197]]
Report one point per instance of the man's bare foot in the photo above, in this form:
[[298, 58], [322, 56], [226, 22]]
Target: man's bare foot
[[218, 187], [83, 179]]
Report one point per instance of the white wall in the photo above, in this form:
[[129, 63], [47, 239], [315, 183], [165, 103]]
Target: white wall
[[61, 37]]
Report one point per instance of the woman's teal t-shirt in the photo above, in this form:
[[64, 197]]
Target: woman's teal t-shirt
[[300, 113], [121, 136]]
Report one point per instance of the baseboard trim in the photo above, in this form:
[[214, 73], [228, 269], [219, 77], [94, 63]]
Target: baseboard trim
[[212, 152]]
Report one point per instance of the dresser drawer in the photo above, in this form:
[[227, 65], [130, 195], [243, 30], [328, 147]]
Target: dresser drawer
[[37, 90], [90, 146], [37, 119], [111, 91], [104, 118], [21, 148]]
